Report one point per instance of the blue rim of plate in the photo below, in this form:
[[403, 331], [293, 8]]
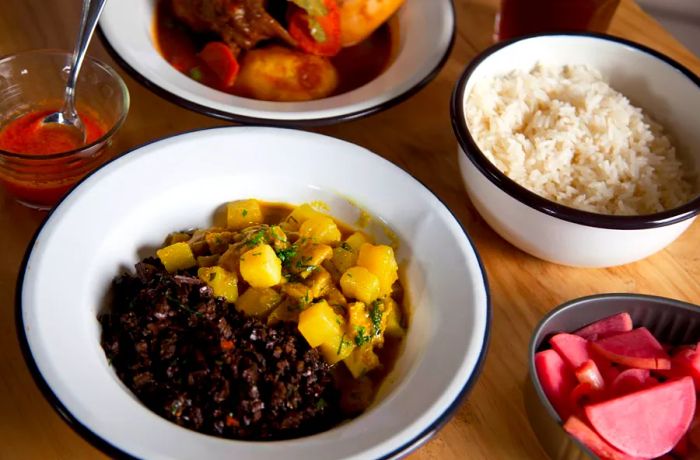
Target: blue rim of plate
[[303, 123], [115, 452], [518, 192]]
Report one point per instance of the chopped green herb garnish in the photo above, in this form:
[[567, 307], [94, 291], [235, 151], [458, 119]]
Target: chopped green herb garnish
[[256, 239], [321, 404], [361, 336], [341, 344], [196, 73], [286, 255], [375, 314], [244, 212], [303, 264]]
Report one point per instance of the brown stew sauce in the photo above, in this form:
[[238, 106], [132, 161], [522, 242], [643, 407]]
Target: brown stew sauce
[[356, 65]]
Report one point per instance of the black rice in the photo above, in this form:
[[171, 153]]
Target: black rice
[[195, 360]]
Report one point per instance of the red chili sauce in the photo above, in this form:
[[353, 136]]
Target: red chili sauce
[[356, 65], [28, 136]]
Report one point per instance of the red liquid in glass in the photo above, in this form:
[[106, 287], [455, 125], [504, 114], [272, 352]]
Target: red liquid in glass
[[29, 136], [523, 17]]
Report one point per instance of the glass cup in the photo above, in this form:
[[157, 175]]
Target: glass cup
[[524, 17], [35, 81]]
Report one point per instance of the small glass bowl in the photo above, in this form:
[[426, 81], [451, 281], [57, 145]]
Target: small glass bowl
[[35, 80]]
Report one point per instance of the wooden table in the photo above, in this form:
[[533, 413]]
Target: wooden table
[[492, 423]]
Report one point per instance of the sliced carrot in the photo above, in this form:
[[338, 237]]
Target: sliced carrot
[[327, 42], [219, 57], [227, 345]]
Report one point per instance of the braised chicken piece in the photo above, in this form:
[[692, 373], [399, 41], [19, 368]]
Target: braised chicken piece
[[239, 23]]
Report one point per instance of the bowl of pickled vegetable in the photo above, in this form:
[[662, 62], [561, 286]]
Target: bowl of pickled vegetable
[[254, 303], [285, 62]]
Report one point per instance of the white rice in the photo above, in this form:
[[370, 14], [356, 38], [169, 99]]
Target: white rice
[[566, 135]]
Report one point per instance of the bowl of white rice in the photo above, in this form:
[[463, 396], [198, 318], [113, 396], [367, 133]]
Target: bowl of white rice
[[580, 149]]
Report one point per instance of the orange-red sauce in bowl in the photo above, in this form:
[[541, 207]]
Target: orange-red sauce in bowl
[[28, 134], [34, 176]]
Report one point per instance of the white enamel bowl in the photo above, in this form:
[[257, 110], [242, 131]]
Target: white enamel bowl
[[426, 32], [122, 211], [666, 90]]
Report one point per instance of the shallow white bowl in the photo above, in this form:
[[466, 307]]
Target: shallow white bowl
[[426, 33], [121, 212], [663, 88]]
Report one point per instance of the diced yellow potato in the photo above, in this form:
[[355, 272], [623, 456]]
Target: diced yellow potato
[[218, 241], [320, 229], [361, 361], [319, 323], [288, 311], [393, 319], [319, 282], [177, 256], [261, 267], [223, 283], [337, 350], [378, 316], [345, 255], [357, 239], [300, 214], [207, 261], [361, 284], [359, 326], [242, 213], [308, 258], [258, 301], [380, 260]]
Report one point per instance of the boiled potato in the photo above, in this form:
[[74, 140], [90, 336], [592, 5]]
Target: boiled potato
[[320, 229], [261, 267], [242, 213], [280, 74], [320, 324], [258, 301], [359, 18], [380, 260], [222, 283], [361, 284], [337, 350], [345, 255], [177, 256]]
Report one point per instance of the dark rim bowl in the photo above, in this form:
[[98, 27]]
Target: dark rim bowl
[[469, 146], [269, 121], [673, 321]]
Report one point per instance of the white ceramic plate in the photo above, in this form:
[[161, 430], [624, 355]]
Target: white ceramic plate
[[110, 220], [426, 31]]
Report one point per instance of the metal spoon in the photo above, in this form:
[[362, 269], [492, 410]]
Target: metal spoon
[[68, 117]]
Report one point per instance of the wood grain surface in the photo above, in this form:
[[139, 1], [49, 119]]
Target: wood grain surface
[[417, 136]]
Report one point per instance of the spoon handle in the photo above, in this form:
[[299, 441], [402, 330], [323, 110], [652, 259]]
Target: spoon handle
[[91, 13]]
